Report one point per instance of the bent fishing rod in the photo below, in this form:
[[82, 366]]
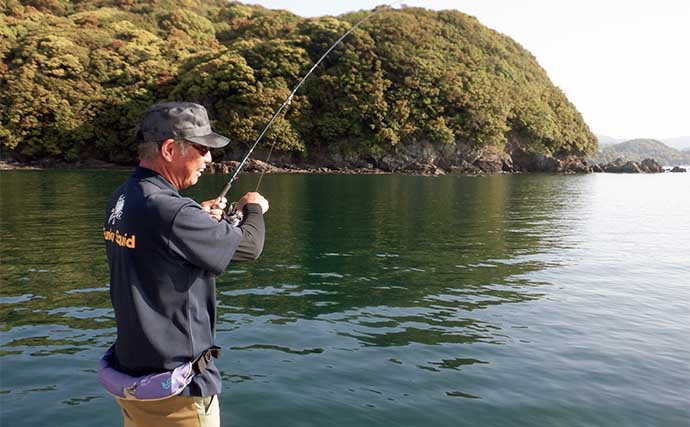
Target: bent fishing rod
[[288, 100]]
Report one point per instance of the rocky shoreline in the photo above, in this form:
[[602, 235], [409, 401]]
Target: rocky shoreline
[[425, 160], [432, 160], [49, 164], [619, 166]]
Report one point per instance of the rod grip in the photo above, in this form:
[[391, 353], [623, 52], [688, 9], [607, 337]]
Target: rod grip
[[226, 189]]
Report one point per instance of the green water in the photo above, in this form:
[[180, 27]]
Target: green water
[[382, 301]]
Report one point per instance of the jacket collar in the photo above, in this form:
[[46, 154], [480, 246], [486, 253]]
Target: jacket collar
[[145, 174]]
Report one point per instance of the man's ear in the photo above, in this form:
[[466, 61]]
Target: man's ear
[[168, 148]]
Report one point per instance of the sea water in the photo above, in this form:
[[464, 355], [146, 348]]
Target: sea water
[[521, 300]]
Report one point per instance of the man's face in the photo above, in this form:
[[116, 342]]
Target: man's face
[[188, 167]]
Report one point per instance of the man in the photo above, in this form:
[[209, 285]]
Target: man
[[164, 251]]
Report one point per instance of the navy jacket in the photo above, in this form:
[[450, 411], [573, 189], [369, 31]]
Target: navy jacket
[[164, 252]]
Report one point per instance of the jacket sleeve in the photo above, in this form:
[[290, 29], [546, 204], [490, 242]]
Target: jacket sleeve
[[253, 234], [203, 241]]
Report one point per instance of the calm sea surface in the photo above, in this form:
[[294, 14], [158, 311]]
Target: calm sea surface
[[534, 300]]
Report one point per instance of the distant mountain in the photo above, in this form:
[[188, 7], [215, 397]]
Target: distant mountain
[[607, 140], [679, 142], [640, 149]]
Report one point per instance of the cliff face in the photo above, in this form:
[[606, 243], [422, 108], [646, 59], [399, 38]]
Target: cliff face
[[408, 86]]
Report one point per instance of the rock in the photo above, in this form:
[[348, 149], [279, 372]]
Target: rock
[[428, 169], [485, 164], [615, 166], [464, 168], [254, 165], [631, 167], [678, 169], [546, 163], [11, 164], [621, 166], [596, 168], [224, 167], [528, 162], [575, 165], [525, 161], [390, 163], [507, 163], [651, 166], [492, 160]]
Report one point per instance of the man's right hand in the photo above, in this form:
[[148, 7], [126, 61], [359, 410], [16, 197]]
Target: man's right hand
[[253, 197]]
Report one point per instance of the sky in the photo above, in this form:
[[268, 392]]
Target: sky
[[625, 64]]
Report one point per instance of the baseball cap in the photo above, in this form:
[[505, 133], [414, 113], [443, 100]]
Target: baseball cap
[[175, 120]]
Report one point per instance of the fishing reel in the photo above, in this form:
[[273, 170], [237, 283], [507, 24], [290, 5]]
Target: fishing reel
[[234, 216]]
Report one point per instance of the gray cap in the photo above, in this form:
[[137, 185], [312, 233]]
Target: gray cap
[[180, 120]]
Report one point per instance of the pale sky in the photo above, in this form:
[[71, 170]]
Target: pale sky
[[625, 64]]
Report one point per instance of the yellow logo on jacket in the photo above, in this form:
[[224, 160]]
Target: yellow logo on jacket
[[122, 240]]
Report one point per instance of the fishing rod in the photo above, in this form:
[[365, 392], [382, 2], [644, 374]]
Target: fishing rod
[[288, 100]]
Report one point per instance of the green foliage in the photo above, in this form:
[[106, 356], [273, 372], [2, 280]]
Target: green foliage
[[76, 76], [50, 101], [187, 33], [349, 93], [7, 38], [198, 28], [54, 7]]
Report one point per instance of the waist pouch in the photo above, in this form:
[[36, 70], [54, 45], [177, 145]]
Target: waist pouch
[[161, 385]]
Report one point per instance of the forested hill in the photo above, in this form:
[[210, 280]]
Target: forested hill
[[639, 149], [75, 77]]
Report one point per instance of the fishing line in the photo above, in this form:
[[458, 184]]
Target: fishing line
[[288, 100]]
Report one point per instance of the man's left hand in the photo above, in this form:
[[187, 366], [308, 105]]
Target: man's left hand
[[215, 207]]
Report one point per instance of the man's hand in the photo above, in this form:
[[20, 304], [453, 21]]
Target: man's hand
[[215, 207], [253, 198]]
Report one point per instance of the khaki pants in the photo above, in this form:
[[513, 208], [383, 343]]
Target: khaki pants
[[177, 411]]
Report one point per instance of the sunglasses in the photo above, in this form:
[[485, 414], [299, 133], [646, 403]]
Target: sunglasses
[[202, 149]]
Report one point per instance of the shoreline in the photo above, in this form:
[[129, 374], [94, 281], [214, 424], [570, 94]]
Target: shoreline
[[257, 166], [41, 165]]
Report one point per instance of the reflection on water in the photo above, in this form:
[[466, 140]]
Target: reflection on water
[[398, 260], [378, 300]]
